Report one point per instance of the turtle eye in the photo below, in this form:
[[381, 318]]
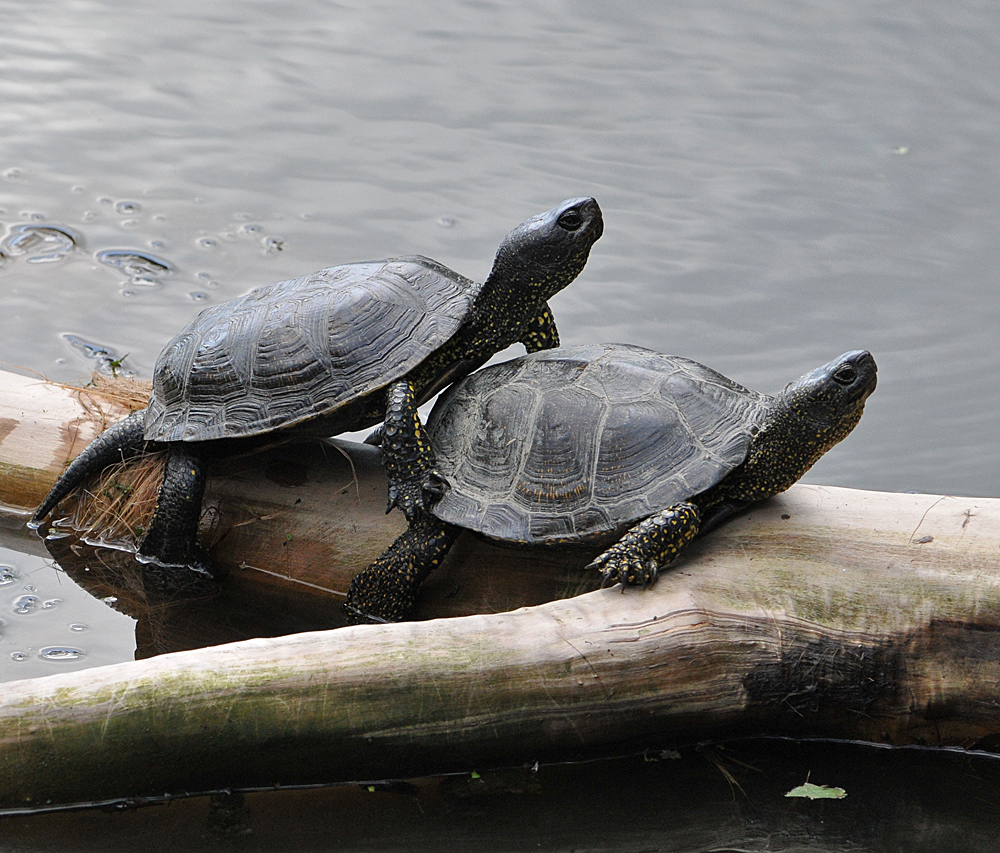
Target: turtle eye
[[845, 374], [571, 220]]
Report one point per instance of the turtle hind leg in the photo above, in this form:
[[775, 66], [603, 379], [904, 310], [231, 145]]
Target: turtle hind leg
[[653, 543], [387, 590], [414, 483], [120, 442], [172, 557]]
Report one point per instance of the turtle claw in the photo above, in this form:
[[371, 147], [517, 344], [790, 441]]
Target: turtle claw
[[416, 495], [618, 566], [434, 484], [357, 616]]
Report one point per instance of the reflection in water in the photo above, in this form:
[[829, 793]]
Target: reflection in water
[[722, 798], [169, 622]]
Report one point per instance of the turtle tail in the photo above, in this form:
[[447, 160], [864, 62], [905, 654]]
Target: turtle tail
[[121, 441]]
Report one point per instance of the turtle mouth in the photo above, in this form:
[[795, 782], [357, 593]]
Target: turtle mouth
[[869, 387]]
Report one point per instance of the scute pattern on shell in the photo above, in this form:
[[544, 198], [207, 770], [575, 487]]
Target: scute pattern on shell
[[290, 351], [575, 444]]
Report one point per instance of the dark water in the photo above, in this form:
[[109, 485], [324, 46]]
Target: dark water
[[780, 183]]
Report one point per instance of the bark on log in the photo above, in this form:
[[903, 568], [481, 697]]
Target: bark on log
[[824, 612]]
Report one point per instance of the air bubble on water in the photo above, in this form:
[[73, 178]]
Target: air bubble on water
[[18, 656], [272, 245], [252, 228], [129, 223], [157, 244], [207, 242], [134, 262], [142, 268], [13, 174], [447, 221], [78, 626], [127, 208], [105, 200], [59, 653], [77, 189], [25, 604], [197, 296], [110, 600], [52, 602], [39, 244], [29, 587], [8, 574]]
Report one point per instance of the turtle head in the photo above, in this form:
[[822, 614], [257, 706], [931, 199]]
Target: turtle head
[[804, 421], [826, 403], [541, 256]]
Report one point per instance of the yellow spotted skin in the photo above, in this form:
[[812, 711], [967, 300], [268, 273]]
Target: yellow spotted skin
[[387, 589], [407, 454], [541, 333]]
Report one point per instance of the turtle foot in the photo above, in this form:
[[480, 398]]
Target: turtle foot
[[357, 616], [637, 557], [176, 563], [624, 569], [193, 575]]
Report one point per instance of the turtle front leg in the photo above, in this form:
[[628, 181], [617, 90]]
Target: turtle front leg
[[540, 332], [638, 556], [387, 589], [414, 483], [173, 558]]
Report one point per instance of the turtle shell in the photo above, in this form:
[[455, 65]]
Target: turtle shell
[[292, 351], [576, 444]]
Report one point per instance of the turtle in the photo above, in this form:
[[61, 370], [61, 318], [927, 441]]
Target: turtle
[[339, 350], [608, 444]]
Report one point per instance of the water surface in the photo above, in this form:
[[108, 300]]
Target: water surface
[[780, 184]]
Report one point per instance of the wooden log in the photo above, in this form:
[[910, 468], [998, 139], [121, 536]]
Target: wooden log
[[44, 425], [824, 612]]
